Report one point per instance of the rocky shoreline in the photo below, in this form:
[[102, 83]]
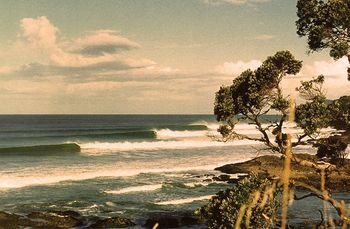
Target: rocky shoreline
[[272, 166], [72, 219], [60, 219]]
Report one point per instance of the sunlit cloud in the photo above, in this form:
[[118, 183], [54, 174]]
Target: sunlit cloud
[[264, 37], [236, 68], [96, 53], [330, 68], [101, 42], [335, 72]]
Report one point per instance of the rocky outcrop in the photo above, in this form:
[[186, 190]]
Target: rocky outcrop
[[164, 221], [114, 222], [272, 166], [57, 220]]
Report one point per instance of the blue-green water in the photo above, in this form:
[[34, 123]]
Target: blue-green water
[[130, 164], [135, 165]]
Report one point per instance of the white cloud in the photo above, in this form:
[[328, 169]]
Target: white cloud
[[264, 37], [39, 32], [236, 68], [88, 56], [335, 72], [101, 42], [328, 68]]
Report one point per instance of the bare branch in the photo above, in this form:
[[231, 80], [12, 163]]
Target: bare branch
[[326, 197], [299, 142], [304, 196]]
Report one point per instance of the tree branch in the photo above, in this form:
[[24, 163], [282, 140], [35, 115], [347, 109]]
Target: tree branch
[[327, 197], [304, 196], [299, 142]]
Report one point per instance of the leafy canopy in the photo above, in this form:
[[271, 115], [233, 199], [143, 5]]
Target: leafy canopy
[[340, 111], [223, 210], [326, 24], [252, 91], [252, 95]]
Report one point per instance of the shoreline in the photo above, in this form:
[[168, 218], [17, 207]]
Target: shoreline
[[272, 166], [268, 165], [73, 219]]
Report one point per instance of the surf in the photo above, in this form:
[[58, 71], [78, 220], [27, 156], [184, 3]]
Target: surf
[[41, 149], [101, 147]]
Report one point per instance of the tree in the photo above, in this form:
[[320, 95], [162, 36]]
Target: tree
[[326, 23], [317, 113], [254, 94], [340, 111], [225, 208]]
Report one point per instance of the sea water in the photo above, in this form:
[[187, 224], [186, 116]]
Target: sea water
[[105, 165]]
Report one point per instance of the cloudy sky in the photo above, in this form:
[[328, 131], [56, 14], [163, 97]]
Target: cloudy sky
[[143, 56]]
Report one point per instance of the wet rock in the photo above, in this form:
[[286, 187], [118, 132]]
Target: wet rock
[[68, 213], [114, 222], [233, 180], [60, 219], [208, 180], [270, 166], [9, 221], [53, 220], [171, 221], [222, 177], [241, 177], [38, 220]]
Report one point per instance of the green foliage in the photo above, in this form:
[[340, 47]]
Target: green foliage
[[340, 113], [317, 113], [309, 90], [253, 91], [250, 96], [326, 23], [333, 148], [339, 50], [313, 115], [223, 209], [280, 104]]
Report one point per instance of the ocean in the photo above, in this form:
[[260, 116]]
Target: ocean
[[107, 165]]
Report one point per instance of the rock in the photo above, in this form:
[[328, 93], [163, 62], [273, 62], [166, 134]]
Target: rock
[[233, 181], [114, 222], [37, 220], [208, 180], [241, 177], [52, 220], [209, 175], [171, 221], [270, 166], [68, 213], [222, 177], [59, 219], [9, 221]]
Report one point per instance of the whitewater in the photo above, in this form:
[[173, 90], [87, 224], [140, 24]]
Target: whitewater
[[107, 164]]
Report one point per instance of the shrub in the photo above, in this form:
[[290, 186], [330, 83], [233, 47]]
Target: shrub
[[256, 196], [333, 148]]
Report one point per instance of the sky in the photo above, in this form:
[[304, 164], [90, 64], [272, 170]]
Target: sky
[[144, 56]]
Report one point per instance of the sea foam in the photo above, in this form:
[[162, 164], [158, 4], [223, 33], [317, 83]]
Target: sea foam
[[184, 201], [101, 147]]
